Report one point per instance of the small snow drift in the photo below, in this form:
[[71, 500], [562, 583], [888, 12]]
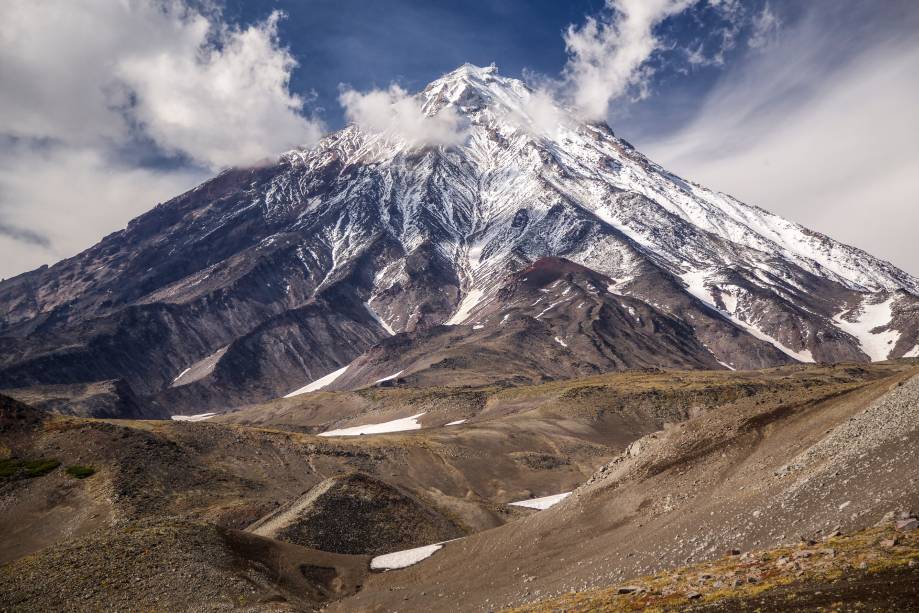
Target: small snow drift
[[404, 559], [396, 425], [200, 369], [389, 378], [318, 384], [540, 503], [379, 320], [456, 423], [471, 300], [198, 417]]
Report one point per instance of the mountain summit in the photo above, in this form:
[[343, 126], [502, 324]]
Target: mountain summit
[[535, 246]]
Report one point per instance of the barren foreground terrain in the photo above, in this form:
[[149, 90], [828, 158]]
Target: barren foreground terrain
[[668, 470]]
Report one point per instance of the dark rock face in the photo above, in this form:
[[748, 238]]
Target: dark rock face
[[113, 399], [16, 415], [264, 279]]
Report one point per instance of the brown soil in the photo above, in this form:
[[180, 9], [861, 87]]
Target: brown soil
[[168, 565], [686, 493], [667, 467]]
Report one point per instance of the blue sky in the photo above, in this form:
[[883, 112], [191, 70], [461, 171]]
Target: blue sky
[[369, 45], [804, 108], [412, 42]]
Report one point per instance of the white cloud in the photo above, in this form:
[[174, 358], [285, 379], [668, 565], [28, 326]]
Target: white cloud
[[87, 82], [765, 26], [67, 198], [827, 140], [221, 104], [87, 72], [608, 55], [732, 15], [394, 112], [543, 116]]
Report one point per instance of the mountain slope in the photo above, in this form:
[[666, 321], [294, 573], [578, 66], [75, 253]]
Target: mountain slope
[[754, 475], [265, 279]]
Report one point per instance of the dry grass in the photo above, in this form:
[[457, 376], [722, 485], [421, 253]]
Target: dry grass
[[737, 578]]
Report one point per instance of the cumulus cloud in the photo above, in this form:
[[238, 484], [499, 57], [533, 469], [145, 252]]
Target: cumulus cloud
[[90, 84], [394, 112], [222, 103], [821, 128], [91, 71], [608, 54]]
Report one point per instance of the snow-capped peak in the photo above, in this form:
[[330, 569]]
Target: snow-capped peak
[[470, 90], [373, 233]]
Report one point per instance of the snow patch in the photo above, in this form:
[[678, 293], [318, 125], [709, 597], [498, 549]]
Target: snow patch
[[396, 425], [181, 374], [390, 377], [561, 342], [474, 256], [730, 301], [695, 281], [404, 559], [876, 345], [469, 302], [541, 503], [549, 308], [318, 384], [456, 423], [634, 313], [198, 417], [379, 320]]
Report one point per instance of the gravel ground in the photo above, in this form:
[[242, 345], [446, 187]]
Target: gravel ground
[[889, 418], [172, 565]]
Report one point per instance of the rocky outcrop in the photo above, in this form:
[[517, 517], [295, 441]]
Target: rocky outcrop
[[357, 514], [111, 399]]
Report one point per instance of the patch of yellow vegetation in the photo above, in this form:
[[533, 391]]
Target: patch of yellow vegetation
[[739, 578]]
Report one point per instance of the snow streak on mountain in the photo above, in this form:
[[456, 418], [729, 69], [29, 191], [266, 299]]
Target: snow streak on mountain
[[522, 253]]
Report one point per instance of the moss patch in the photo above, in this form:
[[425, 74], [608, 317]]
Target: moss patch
[[17, 468], [80, 472]]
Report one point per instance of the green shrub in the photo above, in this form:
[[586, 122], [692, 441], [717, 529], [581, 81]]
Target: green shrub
[[80, 472], [16, 468], [37, 468], [9, 467]]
